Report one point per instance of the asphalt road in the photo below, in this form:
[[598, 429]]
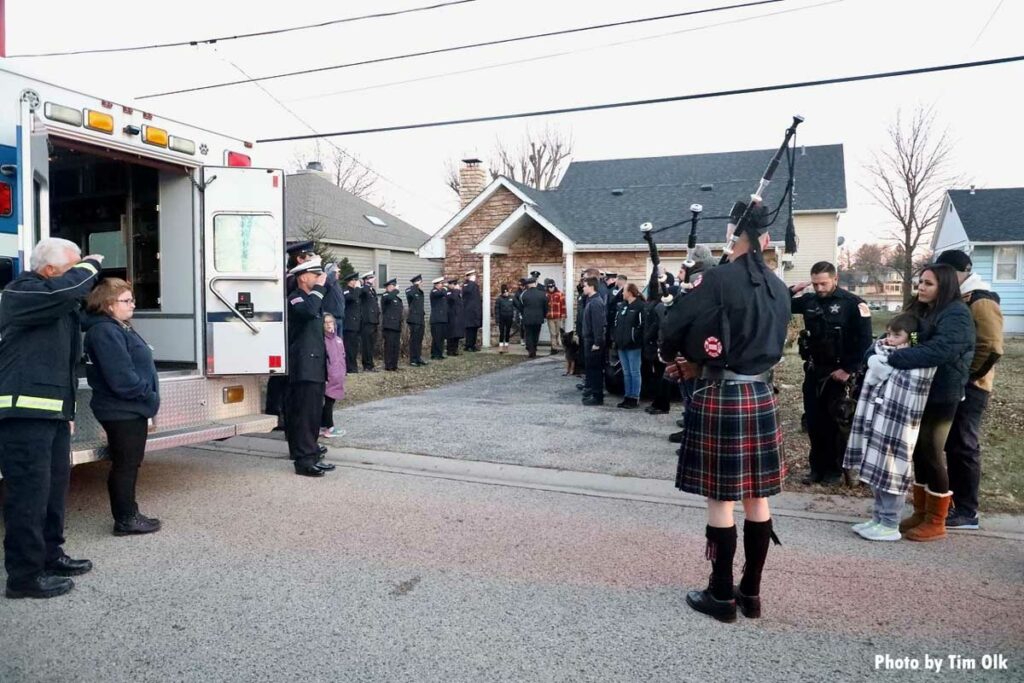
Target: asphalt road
[[368, 575]]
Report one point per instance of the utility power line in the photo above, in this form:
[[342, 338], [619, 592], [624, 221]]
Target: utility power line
[[468, 46], [257, 34], [664, 100]]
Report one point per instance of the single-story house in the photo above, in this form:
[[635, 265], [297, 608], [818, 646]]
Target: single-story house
[[506, 229], [369, 237], [989, 225]]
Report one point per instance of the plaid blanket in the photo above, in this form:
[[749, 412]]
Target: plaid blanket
[[886, 425]]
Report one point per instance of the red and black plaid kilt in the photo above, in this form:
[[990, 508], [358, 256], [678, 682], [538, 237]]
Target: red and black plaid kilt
[[732, 446]]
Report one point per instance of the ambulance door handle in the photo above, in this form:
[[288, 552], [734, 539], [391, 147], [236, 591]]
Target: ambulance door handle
[[231, 307]]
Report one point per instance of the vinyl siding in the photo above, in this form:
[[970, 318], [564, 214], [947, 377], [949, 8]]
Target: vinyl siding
[[1011, 294], [817, 235], [404, 265]]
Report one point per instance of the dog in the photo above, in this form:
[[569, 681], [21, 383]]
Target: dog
[[572, 350]]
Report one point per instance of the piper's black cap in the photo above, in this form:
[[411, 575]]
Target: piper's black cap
[[610, 276], [392, 281], [299, 247], [548, 282], [349, 277], [534, 273], [416, 278], [960, 261]]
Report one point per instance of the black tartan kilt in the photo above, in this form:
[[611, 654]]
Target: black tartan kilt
[[731, 447]]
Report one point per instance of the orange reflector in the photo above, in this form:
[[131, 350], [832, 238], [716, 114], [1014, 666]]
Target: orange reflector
[[97, 120], [6, 200], [154, 136], [238, 159], [235, 394]]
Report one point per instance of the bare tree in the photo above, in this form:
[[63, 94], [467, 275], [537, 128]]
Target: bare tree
[[537, 160], [909, 179], [345, 170]]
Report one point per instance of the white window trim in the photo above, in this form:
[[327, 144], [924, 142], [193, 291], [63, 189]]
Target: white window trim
[[995, 264]]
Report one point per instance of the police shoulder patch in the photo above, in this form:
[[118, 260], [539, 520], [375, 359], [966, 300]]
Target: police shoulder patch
[[865, 312]]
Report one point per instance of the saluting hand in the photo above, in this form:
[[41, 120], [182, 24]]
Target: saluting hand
[[321, 279], [840, 375], [799, 287], [98, 258]]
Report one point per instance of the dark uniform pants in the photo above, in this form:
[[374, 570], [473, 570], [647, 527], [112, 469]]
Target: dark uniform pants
[[594, 362], [532, 336], [369, 345], [453, 346], [126, 442], [35, 460], [415, 343], [828, 444], [963, 453], [438, 333], [351, 339], [471, 333], [305, 410], [392, 342]]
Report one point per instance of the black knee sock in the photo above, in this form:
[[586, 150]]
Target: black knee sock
[[757, 536], [721, 549]]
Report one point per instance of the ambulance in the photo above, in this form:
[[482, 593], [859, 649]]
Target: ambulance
[[181, 213]]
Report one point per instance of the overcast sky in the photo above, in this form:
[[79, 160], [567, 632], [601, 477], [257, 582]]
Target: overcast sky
[[787, 41]]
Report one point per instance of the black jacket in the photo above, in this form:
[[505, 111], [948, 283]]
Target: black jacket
[[414, 296], [535, 306], [334, 299], [353, 309], [439, 305], [456, 316], [391, 311], [41, 343], [473, 304], [370, 304], [840, 327], [948, 345], [120, 369], [307, 355], [505, 307], [595, 319], [629, 325]]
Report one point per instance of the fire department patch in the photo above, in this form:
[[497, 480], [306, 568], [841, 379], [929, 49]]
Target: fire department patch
[[713, 347], [697, 279], [297, 300], [865, 312]]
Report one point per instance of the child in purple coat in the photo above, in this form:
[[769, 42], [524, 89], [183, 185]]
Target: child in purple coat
[[335, 387]]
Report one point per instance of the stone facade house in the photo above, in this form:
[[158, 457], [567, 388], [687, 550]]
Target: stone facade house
[[505, 229]]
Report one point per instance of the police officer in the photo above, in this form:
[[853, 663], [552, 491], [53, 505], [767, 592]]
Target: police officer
[[535, 313], [473, 304], [456, 316], [414, 297], [353, 321], [371, 321], [391, 318], [438, 318], [307, 368], [40, 346], [731, 329], [836, 334]]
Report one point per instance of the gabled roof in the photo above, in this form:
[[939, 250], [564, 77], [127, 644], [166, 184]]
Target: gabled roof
[[995, 215], [310, 199]]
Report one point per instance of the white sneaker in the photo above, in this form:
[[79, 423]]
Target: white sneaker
[[863, 525], [880, 532], [332, 433]]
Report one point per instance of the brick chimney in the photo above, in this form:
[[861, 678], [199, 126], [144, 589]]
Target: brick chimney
[[472, 180]]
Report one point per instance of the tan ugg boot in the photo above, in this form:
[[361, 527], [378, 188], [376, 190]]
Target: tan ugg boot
[[934, 525], [918, 516]]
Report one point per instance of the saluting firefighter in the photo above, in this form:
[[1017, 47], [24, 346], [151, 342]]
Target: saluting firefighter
[[456, 316], [353, 321], [731, 329], [371, 321], [277, 385], [391, 318], [415, 318], [307, 368], [474, 310], [836, 335], [438, 318]]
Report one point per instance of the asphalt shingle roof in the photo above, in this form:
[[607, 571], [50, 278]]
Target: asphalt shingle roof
[[995, 215], [661, 190], [310, 199]]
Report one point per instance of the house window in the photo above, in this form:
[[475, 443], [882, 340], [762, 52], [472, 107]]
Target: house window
[[374, 220], [382, 274], [1007, 267]]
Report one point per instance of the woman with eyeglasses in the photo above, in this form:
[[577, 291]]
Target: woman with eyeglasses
[[125, 395]]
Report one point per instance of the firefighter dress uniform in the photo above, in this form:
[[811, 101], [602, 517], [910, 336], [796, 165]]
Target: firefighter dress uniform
[[415, 319], [371, 321], [391, 317], [438, 318], [40, 347], [351, 329]]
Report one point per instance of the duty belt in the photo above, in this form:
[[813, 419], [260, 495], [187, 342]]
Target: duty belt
[[714, 374]]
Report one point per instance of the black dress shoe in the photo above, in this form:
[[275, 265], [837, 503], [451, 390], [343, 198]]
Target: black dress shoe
[[680, 422], [308, 471], [705, 603], [65, 566], [750, 605], [676, 437], [325, 466], [812, 478], [43, 586], [135, 525], [592, 401], [322, 450], [832, 479], [581, 386]]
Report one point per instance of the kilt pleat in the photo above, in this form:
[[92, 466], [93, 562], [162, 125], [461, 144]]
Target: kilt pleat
[[731, 447]]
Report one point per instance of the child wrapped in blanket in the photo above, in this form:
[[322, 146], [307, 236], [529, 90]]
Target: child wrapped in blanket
[[886, 426]]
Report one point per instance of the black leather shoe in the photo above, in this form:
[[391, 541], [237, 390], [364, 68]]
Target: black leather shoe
[[624, 403], [65, 566], [322, 450], [43, 586], [832, 479], [135, 525], [651, 410], [591, 401], [705, 603], [680, 422], [676, 437], [325, 466], [750, 605], [581, 386], [308, 471], [812, 478]]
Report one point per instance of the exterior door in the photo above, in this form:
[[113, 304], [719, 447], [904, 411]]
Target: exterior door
[[32, 198], [555, 271], [243, 278]]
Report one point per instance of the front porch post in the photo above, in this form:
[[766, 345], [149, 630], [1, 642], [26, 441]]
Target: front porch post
[[487, 301], [569, 290]]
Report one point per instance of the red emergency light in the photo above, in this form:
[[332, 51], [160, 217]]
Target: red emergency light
[[6, 200], [238, 159], [274, 362]]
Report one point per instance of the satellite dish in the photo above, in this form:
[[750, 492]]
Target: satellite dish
[[840, 241]]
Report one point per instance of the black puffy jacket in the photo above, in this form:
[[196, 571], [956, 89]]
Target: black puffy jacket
[[629, 325], [949, 347], [120, 369]]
